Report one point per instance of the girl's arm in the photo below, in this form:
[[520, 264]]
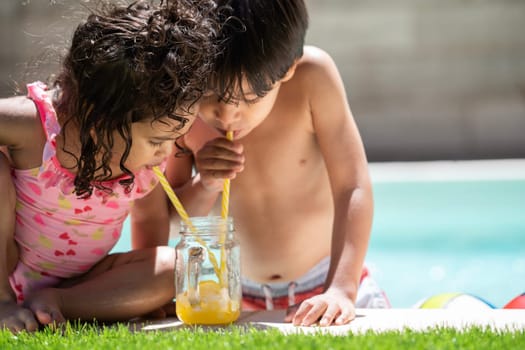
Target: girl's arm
[[8, 248], [12, 316], [21, 131], [150, 220]]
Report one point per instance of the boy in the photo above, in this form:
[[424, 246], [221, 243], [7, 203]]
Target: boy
[[302, 197]]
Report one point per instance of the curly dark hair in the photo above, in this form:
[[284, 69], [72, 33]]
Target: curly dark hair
[[262, 40], [128, 63]]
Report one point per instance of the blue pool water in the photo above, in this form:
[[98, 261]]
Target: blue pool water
[[431, 237], [450, 236]]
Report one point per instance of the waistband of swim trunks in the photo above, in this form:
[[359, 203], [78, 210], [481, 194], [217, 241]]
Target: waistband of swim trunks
[[315, 277]]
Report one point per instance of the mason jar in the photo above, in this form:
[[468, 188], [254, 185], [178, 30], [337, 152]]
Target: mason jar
[[207, 272]]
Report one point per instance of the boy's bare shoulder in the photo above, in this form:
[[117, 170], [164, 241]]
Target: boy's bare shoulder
[[315, 54], [315, 58], [315, 65], [316, 74]]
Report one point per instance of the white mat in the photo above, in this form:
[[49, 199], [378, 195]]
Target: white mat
[[371, 319]]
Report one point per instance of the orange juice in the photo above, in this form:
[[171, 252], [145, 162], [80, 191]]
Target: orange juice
[[214, 306], [208, 290]]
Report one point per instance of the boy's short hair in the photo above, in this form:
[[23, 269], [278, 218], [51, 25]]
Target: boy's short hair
[[261, 41]]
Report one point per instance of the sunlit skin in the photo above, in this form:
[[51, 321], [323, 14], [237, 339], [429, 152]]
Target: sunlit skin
[[300, 187], [153, 142], [120, 285]]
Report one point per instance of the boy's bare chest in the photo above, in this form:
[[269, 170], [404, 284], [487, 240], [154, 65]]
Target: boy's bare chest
[[281, 154]]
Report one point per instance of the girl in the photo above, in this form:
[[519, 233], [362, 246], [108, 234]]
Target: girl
[[81, 155]]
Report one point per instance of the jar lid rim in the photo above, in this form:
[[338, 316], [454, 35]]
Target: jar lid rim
[[206, 221]]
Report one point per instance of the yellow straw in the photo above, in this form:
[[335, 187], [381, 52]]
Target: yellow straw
[[224, 213], [184, 215], [226, 187], [174, 200]]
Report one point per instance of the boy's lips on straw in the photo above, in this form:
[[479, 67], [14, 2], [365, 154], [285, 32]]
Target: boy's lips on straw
[[225, 132]]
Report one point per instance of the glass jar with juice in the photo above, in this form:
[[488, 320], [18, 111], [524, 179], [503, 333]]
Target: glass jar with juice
[[207, 273]]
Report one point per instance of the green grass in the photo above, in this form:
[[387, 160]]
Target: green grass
[[88, 336]]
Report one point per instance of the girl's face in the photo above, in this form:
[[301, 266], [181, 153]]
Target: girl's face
[[240, 116], [153, 142]]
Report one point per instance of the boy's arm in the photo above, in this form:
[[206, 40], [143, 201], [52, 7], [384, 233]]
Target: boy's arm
[[345, 158], [195, 198], [150, 220]]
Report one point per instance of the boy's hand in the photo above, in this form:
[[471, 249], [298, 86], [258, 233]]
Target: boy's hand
[[331, 307], [217, 160]]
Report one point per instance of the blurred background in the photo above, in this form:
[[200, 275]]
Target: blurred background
[[426, 79], [430, 83], [430, 79]]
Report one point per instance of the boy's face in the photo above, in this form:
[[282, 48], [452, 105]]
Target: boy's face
[[241, 115]]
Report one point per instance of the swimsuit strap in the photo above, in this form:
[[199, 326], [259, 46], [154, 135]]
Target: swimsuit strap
[[38, 92]]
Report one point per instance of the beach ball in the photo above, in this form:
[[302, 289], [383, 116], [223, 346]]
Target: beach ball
[[456, 301], [516, 303]]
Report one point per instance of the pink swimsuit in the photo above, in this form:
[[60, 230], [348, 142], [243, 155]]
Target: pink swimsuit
[[59, 235]]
